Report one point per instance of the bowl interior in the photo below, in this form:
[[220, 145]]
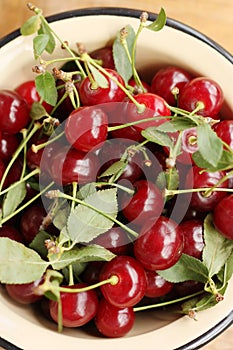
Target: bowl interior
[[154, 50]]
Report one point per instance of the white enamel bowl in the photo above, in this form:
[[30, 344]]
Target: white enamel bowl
[[22, 327]]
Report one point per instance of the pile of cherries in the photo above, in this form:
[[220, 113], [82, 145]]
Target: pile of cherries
[[91, 142]]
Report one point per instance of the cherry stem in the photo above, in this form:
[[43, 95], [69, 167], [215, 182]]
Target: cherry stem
[[126, 189], [122, 126], [166, 303], [23, 179], [36, 148], [59, 194], [191, 190]]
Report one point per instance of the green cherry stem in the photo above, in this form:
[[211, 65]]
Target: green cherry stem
[[191, 190], [23, 179]]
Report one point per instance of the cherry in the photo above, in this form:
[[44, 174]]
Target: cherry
[[8, 145], [198, 179], [86, 128], [224, 130], [203, 90], [159, 245], [91, 273], [154, 107], [131, 285], [2, 168], [182, 289], [24, 293], [146, 203], [71, 165], [166, 80], [14, 112], [28, 91], [31, 221], [78, 308], [192, 231], [11, 232], [104, 54], [90, 95], [138, 89], [34, 158], [157, 286], [223, 216], [112, 321]]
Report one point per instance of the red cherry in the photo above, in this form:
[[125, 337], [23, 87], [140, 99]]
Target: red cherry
[[11, 232], [86, 128], [14, 112], [223, 216], [93, 96], [157, 286], [203, 90], [31, 221], [112, 321], [24, 293], [146, 203], [168, 78], [159, 245], [104, 54], [192, 231], [224, 130], [131, 284], [8, 145], [78, 308], [138, 90]]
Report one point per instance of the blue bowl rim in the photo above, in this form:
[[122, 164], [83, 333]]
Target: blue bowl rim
[[177, 25]]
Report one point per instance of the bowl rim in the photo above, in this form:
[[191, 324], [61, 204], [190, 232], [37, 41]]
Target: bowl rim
[[177, 25]]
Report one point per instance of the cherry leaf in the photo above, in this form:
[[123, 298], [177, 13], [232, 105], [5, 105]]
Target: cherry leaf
[[31, 26], [159, 23], [13, 198], [37, 111], [114, 168], [45, 29], [226, 272], [85, 223], [152, 134], [99, 78], [39, 44], [86, 190], [209, 144], [38, 243], [121, 59], [187, 268], [217, 248], [177, 124], [19, 264], [46, 87], [224, 163]]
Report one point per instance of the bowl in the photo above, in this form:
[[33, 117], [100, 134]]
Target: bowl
[[178, 44]]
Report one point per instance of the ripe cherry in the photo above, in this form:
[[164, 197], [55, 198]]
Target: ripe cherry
[[24, 293], [139, 89], [86, 128], [8, 145], [11, 232], [112, 321], [192, 231], [78, 308], [14, 112], [90, 95], [223, 216], [157, 286], [131, 285], [31, 221], [146, 203], [159, 245], [166, 80], [203, 90], [224, 130], [105, 55], [71, 165]]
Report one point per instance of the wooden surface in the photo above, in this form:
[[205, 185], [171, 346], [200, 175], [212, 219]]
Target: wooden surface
[[211, 17]]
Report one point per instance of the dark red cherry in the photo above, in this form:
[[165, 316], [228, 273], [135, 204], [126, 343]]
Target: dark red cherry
[[34, 158], [105, 56], [223, 216], [204, 90], [14, 112], [90, 95], [196, 178], [146, 203], [86, 128], [192, 231], [78, 308], [139, 89], [24, 293], [71, 165], [166, 80], [11, 232], [159, 245], [157, 286], [31, 221], [112, 321], [8, 145], [224, 130], [131, 285]]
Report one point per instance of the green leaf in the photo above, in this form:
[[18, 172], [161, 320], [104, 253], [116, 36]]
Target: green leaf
[[19, 264], [177, 124], [209, 144], [86, 190], [98, 76], [114, 168], [187, 268], [82, 255], [225, 162], [84, 223], [121, 60], [45, 29], [153, 135], [159, 23], [60, 217], [38, 243], [39, 44], [37, 111], [217, 248], [13, 198], [46, 87], [31, 26]]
